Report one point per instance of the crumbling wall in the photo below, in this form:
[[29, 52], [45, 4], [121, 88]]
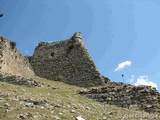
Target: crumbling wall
[[67, 61], [129, 96], [11, 61]]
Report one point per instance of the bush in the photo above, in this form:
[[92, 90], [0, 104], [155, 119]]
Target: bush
[[70, 47], [13, 45], [59, 78]]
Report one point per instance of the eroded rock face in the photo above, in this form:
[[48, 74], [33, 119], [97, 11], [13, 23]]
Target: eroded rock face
[[124, 95], [11, 60], [19, 80], [67, 61]]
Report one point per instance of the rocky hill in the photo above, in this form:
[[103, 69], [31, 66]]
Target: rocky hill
[[125, 95], [25, 96], [58, 101]]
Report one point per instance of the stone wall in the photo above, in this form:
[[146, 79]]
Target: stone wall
[[144, 98], [11, 61], [67, 61], [19, 80]]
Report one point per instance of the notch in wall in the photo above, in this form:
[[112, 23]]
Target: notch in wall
[[13, 45]]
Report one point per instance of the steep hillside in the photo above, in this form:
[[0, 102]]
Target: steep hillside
[[24, 96], [56, 101], [125, 95]]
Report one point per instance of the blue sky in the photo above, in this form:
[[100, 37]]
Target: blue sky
[[122, 36]]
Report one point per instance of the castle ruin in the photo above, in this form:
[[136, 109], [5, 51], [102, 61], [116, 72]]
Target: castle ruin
[[67, 61]]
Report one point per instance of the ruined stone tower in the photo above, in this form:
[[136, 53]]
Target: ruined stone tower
[[11, 61], [67, 61]]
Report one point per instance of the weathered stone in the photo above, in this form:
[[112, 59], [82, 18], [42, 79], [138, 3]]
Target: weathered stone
[[36, 102], [124, 95], [79, 118], [6, 105], [104, 118], [72, 111], [29, 105], [25, 116], [11, 60], [18, 80], [56, 117], [67, 61]]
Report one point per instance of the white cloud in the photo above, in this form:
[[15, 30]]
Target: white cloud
[[122, 65], [143, 80], [49, 41]]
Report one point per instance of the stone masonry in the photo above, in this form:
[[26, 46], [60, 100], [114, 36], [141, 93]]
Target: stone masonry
[[129, 96], [67, 61], [11, 60]]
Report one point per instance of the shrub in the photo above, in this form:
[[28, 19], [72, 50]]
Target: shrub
[[13, 45], [59, 78], [70, 47]]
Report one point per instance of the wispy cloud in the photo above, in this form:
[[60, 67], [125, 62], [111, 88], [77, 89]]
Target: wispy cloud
[[49, 41], [132, 79], [26, 51], [122, 65], [143, 80]]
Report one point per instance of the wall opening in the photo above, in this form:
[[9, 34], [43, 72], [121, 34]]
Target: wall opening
[[52, 54]]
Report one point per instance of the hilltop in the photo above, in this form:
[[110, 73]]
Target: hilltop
[[60, 81]]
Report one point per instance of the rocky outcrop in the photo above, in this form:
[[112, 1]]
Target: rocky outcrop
[[67, 61], [14, 68], [124, 95], [11, 60], [18, 80]]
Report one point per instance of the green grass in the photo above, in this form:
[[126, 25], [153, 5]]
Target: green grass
[[63, 100]]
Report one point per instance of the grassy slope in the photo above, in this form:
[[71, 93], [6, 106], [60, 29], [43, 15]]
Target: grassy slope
[[63, 103]]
